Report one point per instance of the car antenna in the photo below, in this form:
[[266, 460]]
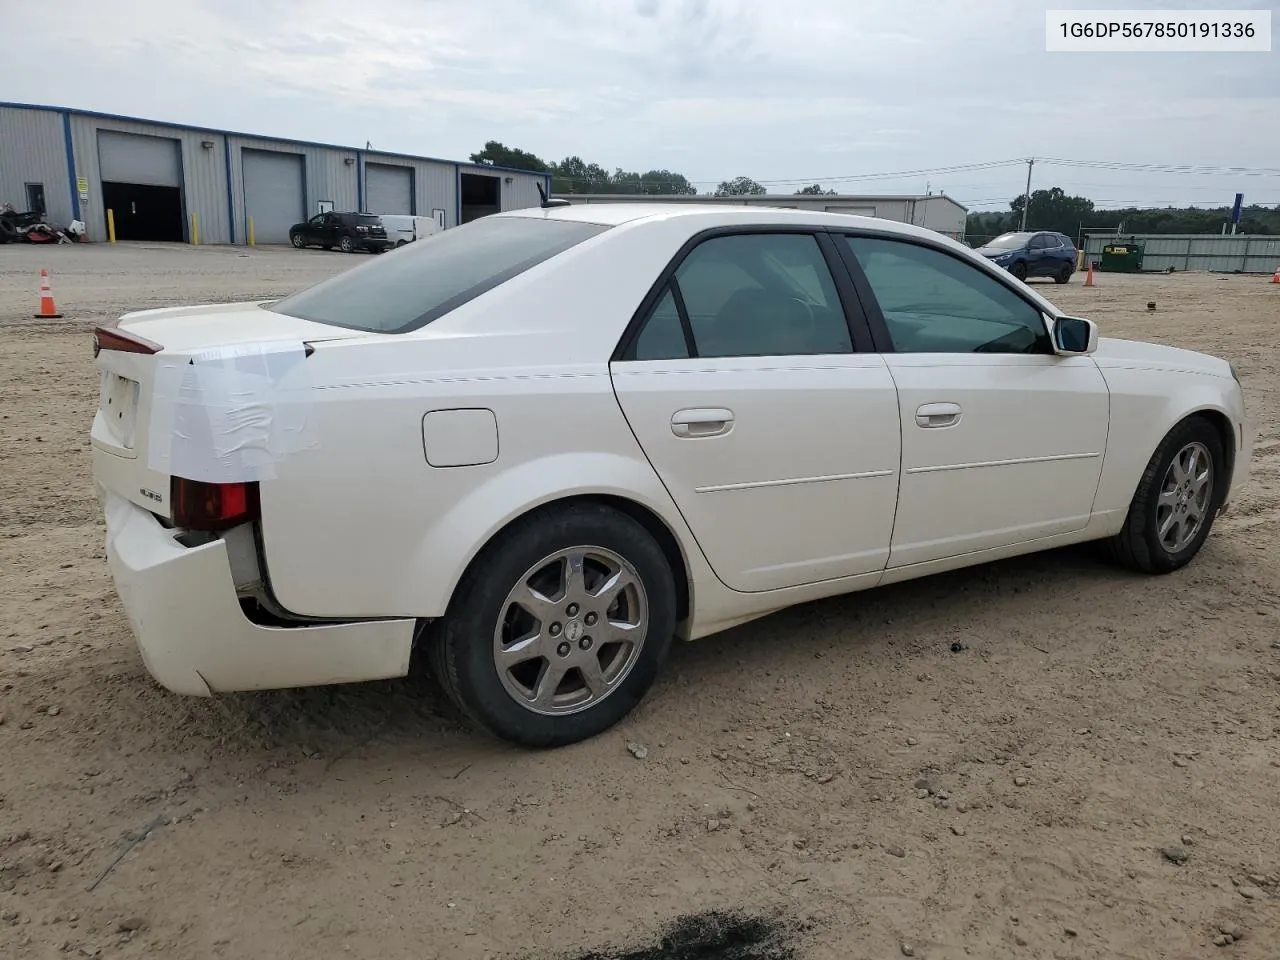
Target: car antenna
[[547, 203]]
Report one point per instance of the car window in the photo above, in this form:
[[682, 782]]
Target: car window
[[435, 274], [766, 294], [662, 336], [317, 219], [1066, 241], [1051, 241], [1037, 242], [936, 303]]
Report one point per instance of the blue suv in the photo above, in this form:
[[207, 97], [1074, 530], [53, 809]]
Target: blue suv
[[1040, 254]]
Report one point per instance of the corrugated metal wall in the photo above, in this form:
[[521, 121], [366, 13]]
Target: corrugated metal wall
[[328, 177], [437, 189], [33, 150], [1241, 253], [521, 192], [434, 183], [204, 179]]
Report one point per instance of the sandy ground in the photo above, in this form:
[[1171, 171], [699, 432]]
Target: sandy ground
[[1071, 721]]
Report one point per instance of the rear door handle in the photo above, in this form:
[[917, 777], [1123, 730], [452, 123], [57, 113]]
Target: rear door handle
[[701, 422], [937, 415]]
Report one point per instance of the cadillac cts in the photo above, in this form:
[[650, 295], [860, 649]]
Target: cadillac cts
[[538, 447]]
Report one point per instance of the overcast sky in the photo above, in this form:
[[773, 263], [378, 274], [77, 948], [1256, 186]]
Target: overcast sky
[[779, 91]]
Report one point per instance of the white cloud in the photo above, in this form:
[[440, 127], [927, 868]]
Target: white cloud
[[714, 88]]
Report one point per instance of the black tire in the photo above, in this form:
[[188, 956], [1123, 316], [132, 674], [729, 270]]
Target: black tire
[[1019, 270], [347, 245], [1063, 274], [401, 243], [1138, 544], [462, 647], [297, 241], [8, 232]]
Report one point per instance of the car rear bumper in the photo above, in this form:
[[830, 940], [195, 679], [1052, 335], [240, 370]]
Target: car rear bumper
[[195, 638], [376, 243]]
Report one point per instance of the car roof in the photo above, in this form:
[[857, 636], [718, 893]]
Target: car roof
[[710, 216]]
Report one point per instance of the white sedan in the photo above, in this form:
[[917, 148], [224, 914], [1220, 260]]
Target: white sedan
[[538, 447]]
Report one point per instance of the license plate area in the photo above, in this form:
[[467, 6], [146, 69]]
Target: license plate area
[[118, 404]]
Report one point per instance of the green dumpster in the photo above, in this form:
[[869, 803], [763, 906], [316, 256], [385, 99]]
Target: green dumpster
[[1122, 256]]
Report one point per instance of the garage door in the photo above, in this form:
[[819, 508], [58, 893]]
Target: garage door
[[388, 189], [274, 193], [133, 158]]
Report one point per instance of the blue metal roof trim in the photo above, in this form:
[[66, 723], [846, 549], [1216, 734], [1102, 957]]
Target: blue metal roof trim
[[257, 136]]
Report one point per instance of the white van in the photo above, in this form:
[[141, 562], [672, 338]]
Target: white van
[[402, 228]]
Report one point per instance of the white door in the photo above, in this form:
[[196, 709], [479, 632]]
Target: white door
[[778, 442], [1002, 441]]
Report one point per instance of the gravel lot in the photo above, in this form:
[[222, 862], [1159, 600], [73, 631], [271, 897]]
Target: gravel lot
[[984, 764]]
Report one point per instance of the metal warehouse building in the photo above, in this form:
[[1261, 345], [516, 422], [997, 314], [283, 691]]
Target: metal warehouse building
[[160, 179], [936, 211]]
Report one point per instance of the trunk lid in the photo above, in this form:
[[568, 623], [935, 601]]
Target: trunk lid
[[132, 404]]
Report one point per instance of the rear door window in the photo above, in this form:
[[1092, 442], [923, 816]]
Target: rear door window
[[437, 274]]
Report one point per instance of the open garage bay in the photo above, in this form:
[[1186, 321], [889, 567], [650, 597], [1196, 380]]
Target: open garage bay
[[987, 763]]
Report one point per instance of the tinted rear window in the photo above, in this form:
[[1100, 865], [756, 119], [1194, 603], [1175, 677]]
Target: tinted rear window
[[422, 281], [362, 218]]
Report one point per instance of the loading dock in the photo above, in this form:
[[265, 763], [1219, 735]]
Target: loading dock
[[479, 195], [388, 188], [274, 193], [142, 185]]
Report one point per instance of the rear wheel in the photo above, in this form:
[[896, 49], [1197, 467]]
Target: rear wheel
[[347, 245], [1173, 508], [1063, 274], [558, 628], [297, 241]]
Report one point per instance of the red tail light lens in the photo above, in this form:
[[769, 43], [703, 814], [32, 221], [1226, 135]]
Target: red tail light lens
[[110, 338], [213, 506]]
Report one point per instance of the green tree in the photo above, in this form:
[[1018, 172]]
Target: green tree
[[739, 187], [814, 190], [496, 154], [1053, 209]]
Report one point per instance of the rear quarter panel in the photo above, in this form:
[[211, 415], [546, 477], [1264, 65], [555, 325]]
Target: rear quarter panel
[[360, 525]]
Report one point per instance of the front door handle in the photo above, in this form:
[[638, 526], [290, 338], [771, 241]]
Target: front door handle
[[938, 415], [701, 422]]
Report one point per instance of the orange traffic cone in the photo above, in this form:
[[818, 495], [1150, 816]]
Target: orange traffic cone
[[1088, 277], [1275, 277], [48, 309]]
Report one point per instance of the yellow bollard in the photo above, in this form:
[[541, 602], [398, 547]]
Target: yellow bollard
[[111, 226], [195, 230], [251, 231]]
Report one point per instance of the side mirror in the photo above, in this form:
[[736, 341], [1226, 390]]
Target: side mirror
[[1074, 335]]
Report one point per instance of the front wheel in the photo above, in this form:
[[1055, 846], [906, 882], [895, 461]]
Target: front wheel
[[297, 241], [1173, 508], [558, 628], [347, 245], [1019, 270]]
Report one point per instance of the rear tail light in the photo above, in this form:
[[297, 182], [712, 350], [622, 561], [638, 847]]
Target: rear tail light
[[213, 506], [110, 337]]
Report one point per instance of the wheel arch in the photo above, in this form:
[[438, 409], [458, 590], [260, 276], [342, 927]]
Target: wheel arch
[[1222, 424], [654, 524]]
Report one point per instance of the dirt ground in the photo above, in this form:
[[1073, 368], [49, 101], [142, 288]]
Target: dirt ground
[[1071, 721]]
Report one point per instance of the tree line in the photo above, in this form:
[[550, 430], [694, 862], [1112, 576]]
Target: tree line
[[575, 175], [1051, 209], [1054, 209]]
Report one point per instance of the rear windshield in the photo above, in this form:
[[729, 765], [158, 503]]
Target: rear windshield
[[363, 218], [407, 289]]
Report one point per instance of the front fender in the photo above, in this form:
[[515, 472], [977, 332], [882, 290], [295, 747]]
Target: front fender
[[1146, 403]]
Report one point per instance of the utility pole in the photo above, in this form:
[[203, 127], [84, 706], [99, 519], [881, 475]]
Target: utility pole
[[1027, 196]]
